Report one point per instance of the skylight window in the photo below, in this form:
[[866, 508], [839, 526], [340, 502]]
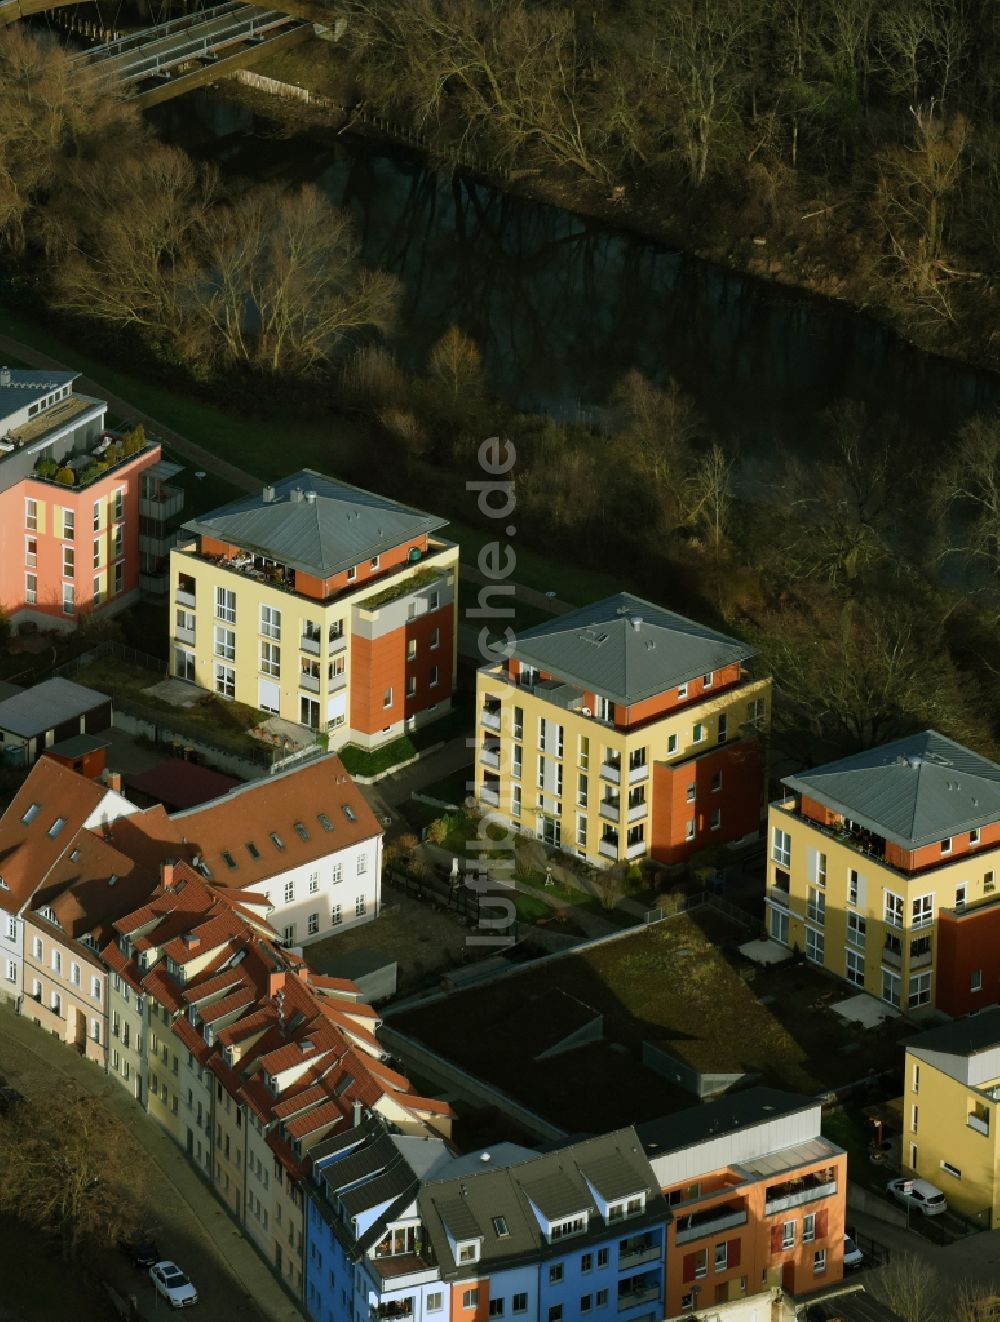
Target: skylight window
[[300, 831], [57, 826], [31, 814], [349, 812], [74, 855], [228, 858], [252, 849], [324, 821], [277, 841], [500, 1226]]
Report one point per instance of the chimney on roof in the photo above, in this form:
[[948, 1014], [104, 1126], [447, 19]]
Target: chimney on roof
[[275, 983], [113, 780], [167, 873], [636, 622], [357, 1113], [267, 495], [4, 376], [296, 494], [310, 497], [303, 972]]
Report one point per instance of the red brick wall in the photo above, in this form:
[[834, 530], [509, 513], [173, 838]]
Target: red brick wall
[[930, 855], [966, 944], [381, 664], [321, 588], [739, 800], [669, 701]]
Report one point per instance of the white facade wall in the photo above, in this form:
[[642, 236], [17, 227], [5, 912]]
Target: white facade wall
[[11, 956], [736, 1147], [349, 881]]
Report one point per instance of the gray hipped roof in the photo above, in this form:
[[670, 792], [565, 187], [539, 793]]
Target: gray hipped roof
[[315, 524], [47, 705], [626, 649], [913, 792], [962, 1037]]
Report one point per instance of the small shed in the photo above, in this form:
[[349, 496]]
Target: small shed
[[83, 753], [34, 719]]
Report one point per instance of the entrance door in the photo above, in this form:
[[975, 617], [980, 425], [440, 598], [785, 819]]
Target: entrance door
[[309, 712], [184, 664]]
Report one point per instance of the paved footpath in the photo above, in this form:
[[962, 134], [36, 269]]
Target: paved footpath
[[973, 1260], [234, 1283]]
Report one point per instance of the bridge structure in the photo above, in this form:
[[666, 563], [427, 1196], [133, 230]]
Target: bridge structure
[[161, 62]]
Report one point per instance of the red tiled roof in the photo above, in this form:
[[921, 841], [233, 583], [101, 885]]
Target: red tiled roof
[[314, 1119], [27, 850], [250, 814], [191, 1038], [243, 996], [196, 942], [92, 884], [295, 1101]]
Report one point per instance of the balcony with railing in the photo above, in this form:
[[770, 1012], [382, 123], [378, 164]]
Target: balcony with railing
[[611, 809], [395, 1308], [612, 770], [635, 849], [311, 643], [980, 1122], [638, 772], [644, 1290], [184, 635], [489, 791], [184, 594], [164, 504], [490, 715], [892, 953], [797, 1192], [711, 1221], [637, 1252], [637, 811], [608, 847], [489, 755], [780, 892], [309, 682]]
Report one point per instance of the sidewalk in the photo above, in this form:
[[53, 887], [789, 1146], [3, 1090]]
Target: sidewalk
[[975, 1259], [234, 1283]]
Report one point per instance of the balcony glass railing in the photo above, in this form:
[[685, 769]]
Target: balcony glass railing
[[612, 771], [309, 682], [311, 645], [490, 796], [637, 1255], [709, 1222], [782, 1198], [640, 772], [490, 757], [611, 809], [490, 718], [980, 1126], [608, 848]]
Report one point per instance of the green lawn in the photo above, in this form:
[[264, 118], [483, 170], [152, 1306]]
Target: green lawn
[[530, 910]]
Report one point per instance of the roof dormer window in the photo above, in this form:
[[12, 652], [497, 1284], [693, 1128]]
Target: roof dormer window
[[467, 1250], [30, 814], [626, 1207], [568, 1226], [946, 845], [56, 827]]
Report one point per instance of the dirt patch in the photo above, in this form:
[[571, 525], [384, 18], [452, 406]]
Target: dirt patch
[[424, 940]]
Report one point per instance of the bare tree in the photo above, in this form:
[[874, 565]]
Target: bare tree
[[709, 496], [968, 495], [65, 1168], [911, 1287]]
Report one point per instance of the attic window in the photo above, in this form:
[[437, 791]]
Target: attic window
[[343, 1085], [349, 812], [324, 821], [500, 1226], [300, 831], [113, 879], [228, 858], [307, 1045], [74, 855], [3, 885], [56, 827], [468, 1251], [252, 849], [30, 814], [277, 841]]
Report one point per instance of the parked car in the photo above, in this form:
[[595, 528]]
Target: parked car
[[170, 1281], [140, 1250], [919, 1194], [853, 1257]]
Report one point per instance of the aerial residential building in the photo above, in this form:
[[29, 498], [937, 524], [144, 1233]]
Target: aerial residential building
[[321, 603], [400, 1226], [757, 1197], [951, 1113], [72, 498], [49, 810], [304, 838], [883, 869], [623, 730]]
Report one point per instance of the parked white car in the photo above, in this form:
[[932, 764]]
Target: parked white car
[[853, 1257], [919, 1194], [170, 1281]]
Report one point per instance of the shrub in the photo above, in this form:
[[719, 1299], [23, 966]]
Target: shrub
[[371, 378], [46, 467], [438, 831], [66, 477], [133, 440]]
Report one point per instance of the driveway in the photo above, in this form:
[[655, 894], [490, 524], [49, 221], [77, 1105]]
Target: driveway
[[234, 1283]]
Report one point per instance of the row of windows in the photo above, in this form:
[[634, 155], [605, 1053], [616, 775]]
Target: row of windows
[[56, 964], [116, 507], [270, 616], [290, 931], [69, 590]]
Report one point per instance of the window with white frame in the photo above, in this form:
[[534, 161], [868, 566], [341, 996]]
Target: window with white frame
[[336, 915], [722, 1256], [225, 680], [819, 1262], [815, 945], [31, 552], [809, 1228], [515, 801], [816, 906], [923, 910], [781, 847], [225, 643], [698, 733], [270, 658], [362, 864], [788, 1234], [919, 992], [225, 605], [312, 924], [891, 987], [516, 760], [11, 929], [31, 589], [894, 910], [31, 515], [289, 891], [856, 968], [857, 930], [338, 873], [119, 503], [270, 622], [56, 962], [74, 973], [11, 971], [682, 691], [68, 599], [946, 845], [689, 830], [974, 836], [36, 947], [68, 523], [360, 906], [313, 883], [435, 639]]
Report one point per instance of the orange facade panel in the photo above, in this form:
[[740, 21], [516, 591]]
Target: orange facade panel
[[388, 686], [706, 800]]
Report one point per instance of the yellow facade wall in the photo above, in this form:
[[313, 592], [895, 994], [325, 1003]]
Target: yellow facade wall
[[879, 880], [586, 742], [940, 1137]]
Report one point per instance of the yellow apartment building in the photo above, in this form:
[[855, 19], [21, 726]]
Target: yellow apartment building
[[951, 1096], [624, 730], [882, 869], [329, 606]]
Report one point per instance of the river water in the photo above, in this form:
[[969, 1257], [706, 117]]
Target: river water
[[561, 307]]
